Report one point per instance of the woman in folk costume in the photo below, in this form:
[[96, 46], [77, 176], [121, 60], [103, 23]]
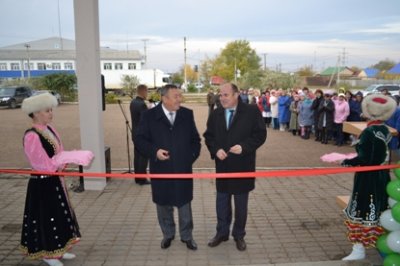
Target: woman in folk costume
[[369, 198], [49, 227]]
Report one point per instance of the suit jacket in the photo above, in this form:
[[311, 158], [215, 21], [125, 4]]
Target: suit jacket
[[248, 130], [183, 143], [137, 107]]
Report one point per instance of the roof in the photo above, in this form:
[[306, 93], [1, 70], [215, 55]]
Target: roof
[[216, 80], [59, 49], [53, 43], [334, 70], [371, 72], [395, 70]]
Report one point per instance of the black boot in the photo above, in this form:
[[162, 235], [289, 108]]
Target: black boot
[[317, 135], [307, 132], [324, 136]]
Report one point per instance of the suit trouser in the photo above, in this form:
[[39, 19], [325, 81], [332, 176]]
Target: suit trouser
[[165, 214], [139, 165], [224, 214]]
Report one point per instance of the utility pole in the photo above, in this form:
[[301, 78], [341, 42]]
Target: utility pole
[[184, 64], [145, 52], [59, 26], [344, 57], [27, 46], [265, 61]]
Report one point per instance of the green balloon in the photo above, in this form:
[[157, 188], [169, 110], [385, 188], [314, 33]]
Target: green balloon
[[393, 189], [396, 171], [382, 246], [396, 212], [392, 260]]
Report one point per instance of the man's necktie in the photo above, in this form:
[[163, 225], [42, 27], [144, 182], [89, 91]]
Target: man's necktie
[[171, 118], [230, 117]]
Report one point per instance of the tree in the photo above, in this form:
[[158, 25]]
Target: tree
[[191, 75], [205, 70], [235, 55], [61, 83], [177, 78], [305, 71], [355, 69], [252, 78], [384, 65], [129, 84]]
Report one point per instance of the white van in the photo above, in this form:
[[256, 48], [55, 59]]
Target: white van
[[393, 89]]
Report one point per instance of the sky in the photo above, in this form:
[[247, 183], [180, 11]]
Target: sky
[[286, 33]]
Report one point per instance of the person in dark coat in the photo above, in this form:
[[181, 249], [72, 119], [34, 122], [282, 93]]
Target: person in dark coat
[[315, 106], [326, 110], [168, 136], [137, 107], [210, 101], [234, 133]]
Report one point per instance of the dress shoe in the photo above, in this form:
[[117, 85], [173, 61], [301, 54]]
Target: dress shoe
[[190, 244], [216, 240], [68, 256], [240, 244], [166, 242]]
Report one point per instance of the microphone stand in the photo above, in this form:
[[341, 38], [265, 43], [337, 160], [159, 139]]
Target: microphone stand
[[128, 129]]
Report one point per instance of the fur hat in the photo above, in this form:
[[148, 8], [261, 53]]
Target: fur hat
[[378, 107], [39, 102]]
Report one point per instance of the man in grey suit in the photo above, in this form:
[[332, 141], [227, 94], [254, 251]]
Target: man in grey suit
[[168, 136]]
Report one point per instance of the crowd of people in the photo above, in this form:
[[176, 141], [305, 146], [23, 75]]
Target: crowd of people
[[303, 112]]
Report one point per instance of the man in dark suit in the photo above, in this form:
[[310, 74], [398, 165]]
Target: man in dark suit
[[137, 107], [168, 136], [234, 133]]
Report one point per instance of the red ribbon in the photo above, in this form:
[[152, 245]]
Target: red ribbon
[[259, 174]]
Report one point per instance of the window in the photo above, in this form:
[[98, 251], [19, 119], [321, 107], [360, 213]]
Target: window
[[26, 66], [41, 66], [14, 66], [132, 66], [107, 66], [68, 66], [118, 65], [56, 66], [3, 66]]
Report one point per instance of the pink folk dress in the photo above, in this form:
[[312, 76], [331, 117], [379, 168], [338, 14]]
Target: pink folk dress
[[49, 226]]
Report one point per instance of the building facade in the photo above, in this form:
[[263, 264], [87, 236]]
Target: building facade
[[55, 55]]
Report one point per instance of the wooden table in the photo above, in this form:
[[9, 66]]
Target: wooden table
[[356, 128]]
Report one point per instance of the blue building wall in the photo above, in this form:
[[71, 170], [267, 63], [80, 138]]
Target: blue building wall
[[34, 73]]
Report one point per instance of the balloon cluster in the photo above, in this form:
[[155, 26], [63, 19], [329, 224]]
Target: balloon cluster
[[388, 244]]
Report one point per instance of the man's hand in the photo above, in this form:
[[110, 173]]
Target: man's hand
[[221, 154], [237, 149], [162, 155]]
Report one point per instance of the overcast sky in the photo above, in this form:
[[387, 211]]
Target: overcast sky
[[290, 32]]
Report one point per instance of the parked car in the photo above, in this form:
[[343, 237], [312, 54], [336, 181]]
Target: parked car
[[56, 94], [393, 89], [13, 96]]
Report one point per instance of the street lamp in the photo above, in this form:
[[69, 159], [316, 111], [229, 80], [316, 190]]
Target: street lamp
[[27, 45]]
